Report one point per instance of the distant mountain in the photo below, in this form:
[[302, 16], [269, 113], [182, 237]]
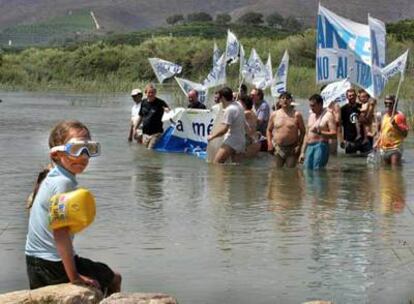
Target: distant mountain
[[127, 15]]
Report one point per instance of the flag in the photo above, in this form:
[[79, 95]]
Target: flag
[[279, 83], [378, 43], [187, 85], [397, 66], [242, 62], [335, 91], [164, 69], [217, 75], [268, 71], [343, 50], [254, 70], [216, 54], [232, 48]]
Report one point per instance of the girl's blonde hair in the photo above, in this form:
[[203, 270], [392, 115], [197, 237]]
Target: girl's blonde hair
[[59, 135]]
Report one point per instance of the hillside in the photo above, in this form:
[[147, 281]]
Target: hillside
[[127, 15]]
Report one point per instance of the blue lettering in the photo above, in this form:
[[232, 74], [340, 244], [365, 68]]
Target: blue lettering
[[323, 68], [363, 74], [342, 69], [374, 49], [321, 36], [330, 33]]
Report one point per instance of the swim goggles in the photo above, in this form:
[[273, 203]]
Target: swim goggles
[[76, 148]]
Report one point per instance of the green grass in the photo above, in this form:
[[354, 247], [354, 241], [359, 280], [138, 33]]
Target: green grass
[[51, 31]]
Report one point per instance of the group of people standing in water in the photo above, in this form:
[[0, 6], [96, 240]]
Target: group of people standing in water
[[248, 125]]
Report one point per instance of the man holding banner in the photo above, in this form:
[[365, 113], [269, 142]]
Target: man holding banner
[[393, 131]]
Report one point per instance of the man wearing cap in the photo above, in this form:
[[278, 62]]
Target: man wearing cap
[[193, 102], [393, 131], [134, 132]]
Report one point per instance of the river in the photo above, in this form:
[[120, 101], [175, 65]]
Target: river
[[214, 234]]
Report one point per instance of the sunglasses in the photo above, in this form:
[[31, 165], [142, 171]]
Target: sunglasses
[[387, 104], [76, 148]]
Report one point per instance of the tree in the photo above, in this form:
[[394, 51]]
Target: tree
[[275, 20], [292, 24], [199, 17], [251, 18], [223, 18], [173, 19]]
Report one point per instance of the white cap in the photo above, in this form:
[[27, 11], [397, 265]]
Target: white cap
[[136, 92]]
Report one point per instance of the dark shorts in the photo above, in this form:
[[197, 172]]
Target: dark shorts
[[43, 273], [352, 147]]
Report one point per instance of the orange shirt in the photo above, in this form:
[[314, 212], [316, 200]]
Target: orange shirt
[[390, 137]]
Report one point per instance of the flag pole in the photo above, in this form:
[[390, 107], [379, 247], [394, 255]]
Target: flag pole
[[394, 108]]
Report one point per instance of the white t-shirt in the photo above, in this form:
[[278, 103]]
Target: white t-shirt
[[135, 110], [236, 135]]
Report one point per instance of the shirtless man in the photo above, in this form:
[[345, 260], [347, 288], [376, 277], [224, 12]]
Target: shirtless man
[[321, 127], [285, 133]]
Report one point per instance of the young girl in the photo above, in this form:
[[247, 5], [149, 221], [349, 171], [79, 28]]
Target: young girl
[[50, 256]]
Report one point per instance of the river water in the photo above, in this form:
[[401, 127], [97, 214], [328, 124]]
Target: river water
[[214, 234]]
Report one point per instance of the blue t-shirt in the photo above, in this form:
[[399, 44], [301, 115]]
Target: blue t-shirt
[[40, 241]]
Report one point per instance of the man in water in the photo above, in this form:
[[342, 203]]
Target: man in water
[[134, 132], [285, 132], [193, 102], [262, 110], [351, 139], [150, 115], [393, 131], [232, 127], [321, 127]]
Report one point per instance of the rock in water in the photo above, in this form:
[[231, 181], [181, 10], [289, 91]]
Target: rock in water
[[62, 294], [139, 298]]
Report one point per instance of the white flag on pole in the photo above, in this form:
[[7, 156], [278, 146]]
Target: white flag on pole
[[216, 54], [164, 69], [335, 91], [187, 85], [397, 66], [232, 48], [279, 83], [268, 71], [217, 75]]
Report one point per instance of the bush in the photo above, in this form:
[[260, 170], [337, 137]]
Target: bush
[[174, 19], [275, 20], [223, 19], [199, 17], [251, 18]]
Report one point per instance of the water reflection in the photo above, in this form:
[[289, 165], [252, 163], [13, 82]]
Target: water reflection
[[392, 190]]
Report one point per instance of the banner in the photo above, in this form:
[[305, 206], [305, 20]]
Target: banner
[[164, 69], [279, 83], [255, 71], [343, 50], [217, 75], [335, 92], [186, 130], [187, 85], [232, 48], [378, 43], [397, 66], [268, 71], [216, 54]]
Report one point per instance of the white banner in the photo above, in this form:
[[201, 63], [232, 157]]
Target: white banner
[[269, 72], [216, 54], [164, 69], [378, 42], [343, 50], [255, 71], [397, 66], [187, 85], [217, 75], [335, 91], [186, 130], [232, 48], [279, 83]]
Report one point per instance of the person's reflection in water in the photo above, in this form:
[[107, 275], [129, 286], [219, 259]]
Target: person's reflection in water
[[322, 187], [285, 189], [392, 191], [148, 187]]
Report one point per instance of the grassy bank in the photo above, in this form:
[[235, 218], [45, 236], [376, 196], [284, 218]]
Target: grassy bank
[[109, 67]]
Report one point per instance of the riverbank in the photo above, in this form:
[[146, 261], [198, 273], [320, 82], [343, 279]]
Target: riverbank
[[105, 67]]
